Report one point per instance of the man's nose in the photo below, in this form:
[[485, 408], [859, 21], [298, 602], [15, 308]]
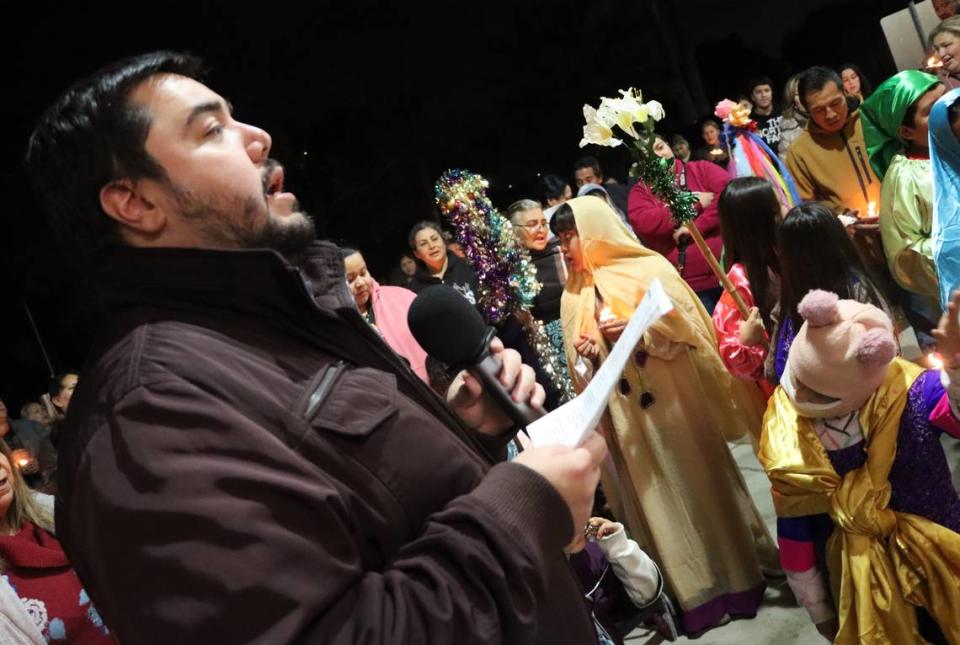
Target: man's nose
[[258, 143]]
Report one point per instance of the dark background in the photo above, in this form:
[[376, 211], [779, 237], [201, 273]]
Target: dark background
[[368, 102]]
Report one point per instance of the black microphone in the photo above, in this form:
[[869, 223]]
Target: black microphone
[[451, 330]]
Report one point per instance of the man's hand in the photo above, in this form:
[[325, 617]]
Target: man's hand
[[751, 329], [947, 333], [478, 411], [587, 347], [612, 329], [681, 233], [574, 472], [705, 199]]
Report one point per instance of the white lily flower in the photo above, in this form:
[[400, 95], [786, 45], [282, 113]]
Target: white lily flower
[[621, 113], [597, 128], [629, 111], [655, 110], [607, 112]]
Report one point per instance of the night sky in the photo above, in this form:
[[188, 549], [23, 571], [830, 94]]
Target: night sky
[[368, 102]]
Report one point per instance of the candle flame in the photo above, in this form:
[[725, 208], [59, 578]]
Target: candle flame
[[934, 361], [606, 315], [20, 457], [934, 62], [872, 209]]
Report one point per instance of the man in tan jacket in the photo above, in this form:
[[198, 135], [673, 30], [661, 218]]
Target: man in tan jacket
[[829, 160]]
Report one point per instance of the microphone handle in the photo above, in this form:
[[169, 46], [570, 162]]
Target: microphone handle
[[487, 372]]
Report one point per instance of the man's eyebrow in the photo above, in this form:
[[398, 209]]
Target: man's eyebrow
[[206, 108]]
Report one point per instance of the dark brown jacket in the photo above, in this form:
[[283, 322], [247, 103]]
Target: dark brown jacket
[[246, 462]]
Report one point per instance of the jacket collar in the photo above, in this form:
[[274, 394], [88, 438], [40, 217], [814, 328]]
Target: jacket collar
[[248, 279], [261, 284]]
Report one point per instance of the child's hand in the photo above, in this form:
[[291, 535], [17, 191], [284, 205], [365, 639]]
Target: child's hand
[[751, 329], [587, 348], [611, 329], [947, 332], [604, 527]]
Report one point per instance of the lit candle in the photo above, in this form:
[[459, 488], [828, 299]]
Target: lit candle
[[21, 458], [933, 62], [934, 361], [606, 315]]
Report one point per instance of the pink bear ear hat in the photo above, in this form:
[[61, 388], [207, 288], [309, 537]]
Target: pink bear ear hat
[[842, 350]]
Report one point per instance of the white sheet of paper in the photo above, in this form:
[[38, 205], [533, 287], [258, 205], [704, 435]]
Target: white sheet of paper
[[569, 424]]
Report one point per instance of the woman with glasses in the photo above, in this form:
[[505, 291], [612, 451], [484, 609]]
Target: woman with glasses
[[530, 225]]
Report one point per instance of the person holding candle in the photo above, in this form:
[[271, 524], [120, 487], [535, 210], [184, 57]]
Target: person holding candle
[[895, 129], [829, 160], [673, 480], [33, 568], [712, 150]]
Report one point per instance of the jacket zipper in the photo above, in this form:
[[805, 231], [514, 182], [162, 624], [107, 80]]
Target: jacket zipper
[[418, 390], [856, 168], [319, 394]]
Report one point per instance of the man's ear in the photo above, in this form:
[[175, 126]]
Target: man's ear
[[124, 200]]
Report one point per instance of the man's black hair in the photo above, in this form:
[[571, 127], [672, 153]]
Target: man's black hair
[[815, 79], [563, 220], [92, 135], [589, 161], [550, 187], [758, 80]]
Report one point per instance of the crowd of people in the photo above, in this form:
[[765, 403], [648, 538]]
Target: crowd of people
[[850, 148], [259, 450]]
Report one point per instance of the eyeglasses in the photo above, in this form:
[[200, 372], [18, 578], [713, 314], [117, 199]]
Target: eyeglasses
[[534, 225]]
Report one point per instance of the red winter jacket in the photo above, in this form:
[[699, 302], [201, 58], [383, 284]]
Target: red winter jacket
[[651, 219]]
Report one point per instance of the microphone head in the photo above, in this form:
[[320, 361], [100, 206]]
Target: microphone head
[[448, 327]]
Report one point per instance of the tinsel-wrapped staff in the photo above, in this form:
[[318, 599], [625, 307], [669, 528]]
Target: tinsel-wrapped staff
[[506, 275], [656, 173]]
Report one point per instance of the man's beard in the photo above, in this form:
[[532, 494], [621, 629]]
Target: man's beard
[[233, 223]]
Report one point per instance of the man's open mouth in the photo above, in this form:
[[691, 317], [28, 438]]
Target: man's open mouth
[[273, 181]]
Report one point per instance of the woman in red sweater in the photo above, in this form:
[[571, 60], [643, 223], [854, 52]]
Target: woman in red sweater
[[653, 224], [54, 608]]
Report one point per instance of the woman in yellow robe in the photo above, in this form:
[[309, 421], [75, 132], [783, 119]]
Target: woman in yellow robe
[[673, 479]]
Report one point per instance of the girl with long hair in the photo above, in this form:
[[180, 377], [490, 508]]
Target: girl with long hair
[[815, 252], [749, 212]]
